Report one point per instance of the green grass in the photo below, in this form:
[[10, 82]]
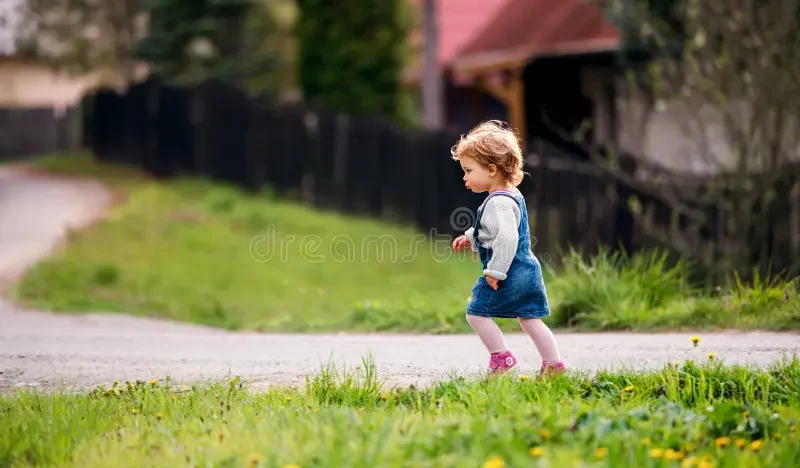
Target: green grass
[[181, 250], [691, 414], [612, 292]]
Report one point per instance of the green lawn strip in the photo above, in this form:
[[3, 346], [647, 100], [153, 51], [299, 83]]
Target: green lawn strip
[[196, 251], [692, 414]]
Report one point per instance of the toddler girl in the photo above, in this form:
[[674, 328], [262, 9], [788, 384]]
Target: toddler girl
[[512, 285]]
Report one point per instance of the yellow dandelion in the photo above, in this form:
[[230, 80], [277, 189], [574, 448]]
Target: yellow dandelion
[[152, 382], [544, 433], [676, 364], [288, 398], [705, 464], [711, 356], [494, 462], [159, 415], [184, 388], [384, 396], [689, 447], [722, 442], [361, 410], [135, 411], [174, 398], [776, 436], [316, 410], [601, 452], [646, 441], [740, 443], [673, 455], [291, 466], [656, 453], [629, 388], [756, 445], [536, 451], [523, 377], [689, 461], [695, 340]]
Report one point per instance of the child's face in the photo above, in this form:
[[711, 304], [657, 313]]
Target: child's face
[[477, 177]]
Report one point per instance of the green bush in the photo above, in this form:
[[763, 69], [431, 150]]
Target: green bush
[[353, 53]]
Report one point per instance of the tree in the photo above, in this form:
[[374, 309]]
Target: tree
[[726, 72], [79, 36], [190, 41], [270, 42], [352, 54], [241, 42]]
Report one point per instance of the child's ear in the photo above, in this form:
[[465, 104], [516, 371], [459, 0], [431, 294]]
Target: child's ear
[[492, 170]]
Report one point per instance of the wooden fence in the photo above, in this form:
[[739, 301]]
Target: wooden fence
[[29, 131], [583, 205], [363, 165]]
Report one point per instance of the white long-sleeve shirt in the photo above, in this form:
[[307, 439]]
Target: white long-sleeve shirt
[[499, 231]]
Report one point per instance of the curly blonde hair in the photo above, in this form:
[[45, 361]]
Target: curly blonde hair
[[493, 142]]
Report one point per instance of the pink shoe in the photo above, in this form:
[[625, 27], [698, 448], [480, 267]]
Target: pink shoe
[[502, 362], [553, 369]]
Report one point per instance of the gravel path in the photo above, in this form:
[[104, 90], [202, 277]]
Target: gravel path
[[41, 349]]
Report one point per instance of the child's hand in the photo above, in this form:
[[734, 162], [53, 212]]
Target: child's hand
[[461, 242], [492, 281]]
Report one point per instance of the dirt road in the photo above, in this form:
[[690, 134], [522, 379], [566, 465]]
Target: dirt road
[[41, 349]]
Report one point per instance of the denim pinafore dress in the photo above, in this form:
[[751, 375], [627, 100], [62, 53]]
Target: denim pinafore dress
[[522, 294]]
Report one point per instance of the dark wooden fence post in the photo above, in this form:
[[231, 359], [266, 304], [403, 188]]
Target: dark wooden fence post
[[623, 218], [311, 172], [342, 143], [376, 158], [198, 112]]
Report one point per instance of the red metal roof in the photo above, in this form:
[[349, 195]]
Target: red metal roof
[[458, 21], [523, 29]]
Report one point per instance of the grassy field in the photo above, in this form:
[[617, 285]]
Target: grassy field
[[192, 250], [694, 413]]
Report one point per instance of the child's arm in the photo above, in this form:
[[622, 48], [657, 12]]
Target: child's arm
[[470, 233], [501, 220]]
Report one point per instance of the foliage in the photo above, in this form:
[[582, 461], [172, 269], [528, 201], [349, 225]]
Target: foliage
[[271, 46], [697, 413], [637, 44], [194, 39], [353, 53], [236, 41], [722, 74], [79, 36]]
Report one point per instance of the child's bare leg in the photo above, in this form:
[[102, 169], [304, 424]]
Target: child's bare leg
[[488, 332], [543, 339]]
